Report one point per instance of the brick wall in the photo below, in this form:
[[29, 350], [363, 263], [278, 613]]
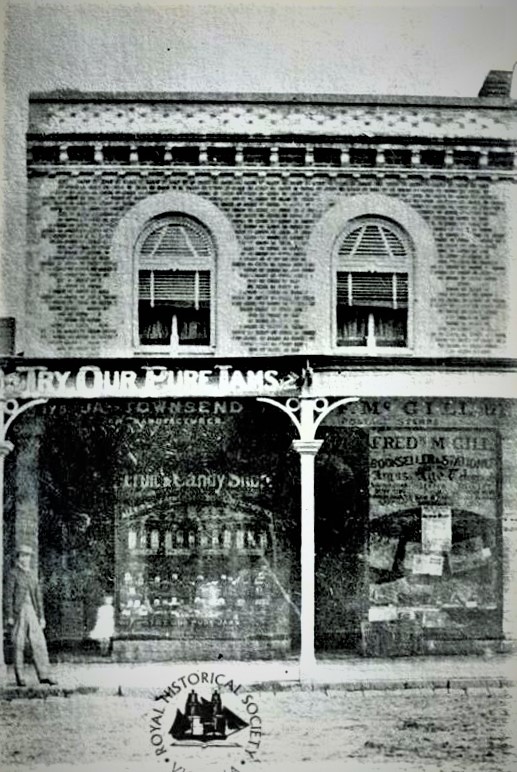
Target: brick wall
[[74, 285]]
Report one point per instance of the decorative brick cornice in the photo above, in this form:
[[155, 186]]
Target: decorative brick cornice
[[357, 173], [307, 158], [282, 116]]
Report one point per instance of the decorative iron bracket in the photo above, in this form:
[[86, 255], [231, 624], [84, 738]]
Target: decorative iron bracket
[[307, 413], [10, 409]]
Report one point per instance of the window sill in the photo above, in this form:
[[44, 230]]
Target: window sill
[[180, 352], [378, 351]]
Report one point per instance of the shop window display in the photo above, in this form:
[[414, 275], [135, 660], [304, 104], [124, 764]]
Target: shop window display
[[434, 539], [180, 510], [200, 570], [437, 568]]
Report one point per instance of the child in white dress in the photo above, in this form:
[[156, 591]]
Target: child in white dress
[[104, 625]]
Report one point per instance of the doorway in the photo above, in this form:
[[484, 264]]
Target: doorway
[[341, 499]]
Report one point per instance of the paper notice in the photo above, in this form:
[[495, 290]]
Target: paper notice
[[382, 613], [464, 559], [432, 565], [412, 548], [436, 529], [381, 552]]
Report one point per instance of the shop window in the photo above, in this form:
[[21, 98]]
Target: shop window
[[176, 261], [199, 571], [434, 567], [372, 284]]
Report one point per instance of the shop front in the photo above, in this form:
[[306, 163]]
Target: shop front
[[194, 513], [182, 510], [430, 563]]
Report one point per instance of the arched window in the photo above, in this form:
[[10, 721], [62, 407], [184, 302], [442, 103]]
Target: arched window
[[176, 261], [373, 257]]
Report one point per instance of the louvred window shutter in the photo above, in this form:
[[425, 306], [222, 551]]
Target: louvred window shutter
[[384, 290], [372, 284], [373, 242], [176, 238], [188, 289], [176, 264]]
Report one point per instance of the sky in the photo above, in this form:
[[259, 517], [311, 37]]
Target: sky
[[368, 47]]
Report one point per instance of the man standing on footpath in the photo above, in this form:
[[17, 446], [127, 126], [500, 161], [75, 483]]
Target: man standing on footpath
[[25, 615]]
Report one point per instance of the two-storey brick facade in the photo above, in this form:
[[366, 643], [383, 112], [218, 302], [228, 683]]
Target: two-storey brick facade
[[218, 285]]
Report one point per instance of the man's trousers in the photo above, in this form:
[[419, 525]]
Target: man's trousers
[[27, 625]]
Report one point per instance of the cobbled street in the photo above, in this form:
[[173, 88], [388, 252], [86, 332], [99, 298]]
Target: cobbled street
[[324, 729]]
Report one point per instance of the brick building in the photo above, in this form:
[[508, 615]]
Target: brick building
[[266, 372]]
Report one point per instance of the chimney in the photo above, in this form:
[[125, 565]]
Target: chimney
[[498, 83]]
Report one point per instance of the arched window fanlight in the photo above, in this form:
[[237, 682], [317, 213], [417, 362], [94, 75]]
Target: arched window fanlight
[[176, 260], [373, 257]]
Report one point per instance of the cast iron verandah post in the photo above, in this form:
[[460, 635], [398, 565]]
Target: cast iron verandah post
[[307, 413], [10, 409]]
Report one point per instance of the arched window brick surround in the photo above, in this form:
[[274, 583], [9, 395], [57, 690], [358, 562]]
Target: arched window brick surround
[[123, 254], [373, 261], [321, 253], [176, 259]]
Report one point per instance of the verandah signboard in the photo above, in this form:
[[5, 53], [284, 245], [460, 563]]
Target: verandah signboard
[[148, 380]]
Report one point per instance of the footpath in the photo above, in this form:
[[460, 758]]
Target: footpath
[[427, 714], [348, 673]]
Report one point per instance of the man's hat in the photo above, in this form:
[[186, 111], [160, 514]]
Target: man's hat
[[25, 549]]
